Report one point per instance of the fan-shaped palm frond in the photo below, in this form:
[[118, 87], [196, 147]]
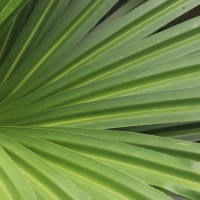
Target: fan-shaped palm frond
[[71, 69]]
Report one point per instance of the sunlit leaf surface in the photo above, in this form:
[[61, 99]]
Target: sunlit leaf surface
[[99, 100]]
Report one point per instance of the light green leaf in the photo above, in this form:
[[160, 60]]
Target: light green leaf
[[103, 177], [70, 69]]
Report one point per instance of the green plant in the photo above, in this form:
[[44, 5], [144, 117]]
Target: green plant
[[71, 72]]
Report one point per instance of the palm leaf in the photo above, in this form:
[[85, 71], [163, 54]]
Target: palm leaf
[[70, 70], [9, 10]]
